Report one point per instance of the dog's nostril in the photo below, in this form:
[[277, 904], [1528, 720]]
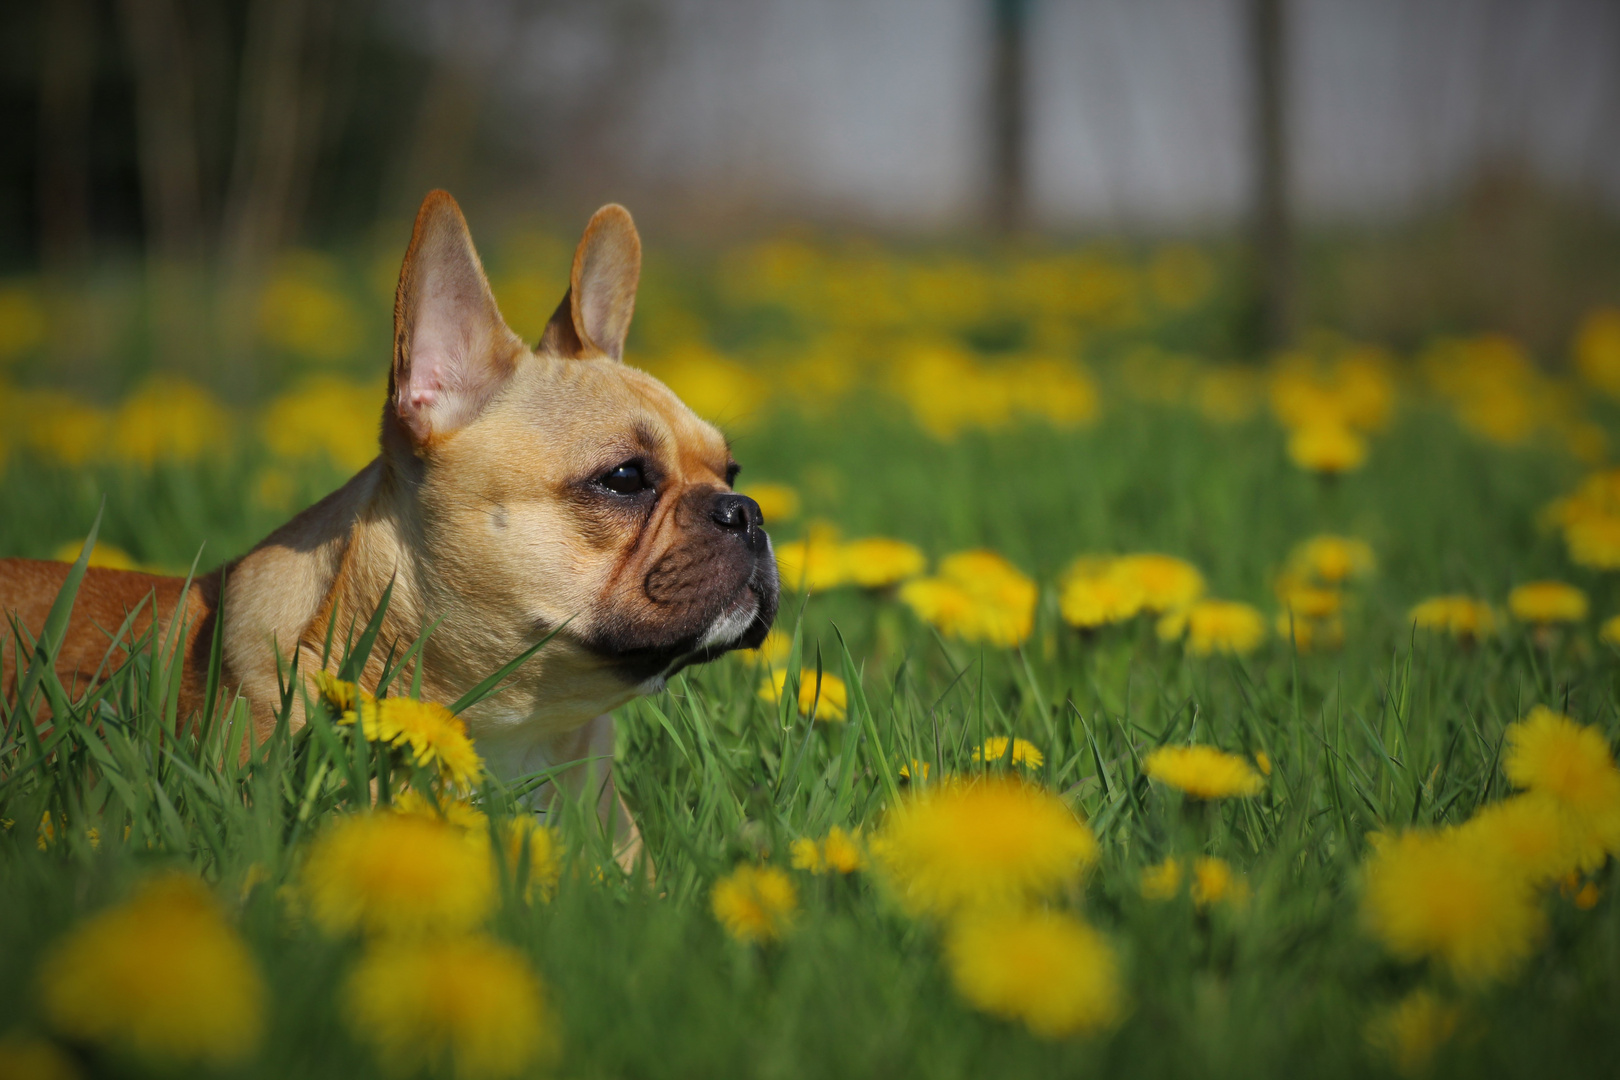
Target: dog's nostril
[[738, 513]]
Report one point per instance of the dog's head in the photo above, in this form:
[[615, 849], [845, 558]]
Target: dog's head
[[556, 484]]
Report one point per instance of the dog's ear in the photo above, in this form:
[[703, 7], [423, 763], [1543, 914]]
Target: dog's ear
[[452, 349], [594, 317]]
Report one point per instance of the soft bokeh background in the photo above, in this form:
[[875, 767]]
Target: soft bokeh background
[[993, 211]]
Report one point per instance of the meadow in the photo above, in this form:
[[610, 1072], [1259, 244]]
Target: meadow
[[1134, 709]]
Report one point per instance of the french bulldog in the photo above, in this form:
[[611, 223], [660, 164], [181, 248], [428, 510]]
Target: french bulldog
[[517, 491]]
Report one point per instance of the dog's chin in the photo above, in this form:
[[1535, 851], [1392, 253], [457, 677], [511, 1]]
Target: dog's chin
[[742, 624]]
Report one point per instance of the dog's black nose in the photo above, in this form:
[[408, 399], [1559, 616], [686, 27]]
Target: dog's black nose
[[740, 514]]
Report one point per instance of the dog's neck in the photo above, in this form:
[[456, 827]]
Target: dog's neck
[[330, 566]]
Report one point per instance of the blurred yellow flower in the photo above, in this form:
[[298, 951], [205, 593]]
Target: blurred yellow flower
[[829, 701], [948, 390], [396, 874], [977, 596], [1213, 882], [1549, 754], [1057, 391], [1443, 895], [1024, 752], [429, 733], [169, 419], [755, 903], [469, 1006], [1310, 635], [1544, 602], [22, 320], [1212, 626], [1046, 969], [777, 502], [986, 842], [325, 416], [1462, 617], [457, 812], [1409, 1032], [712, 385], [1609, 632], [1597, 350], [105, 555], [1203, 771], [1305, 600], [1328, 448], [1167, 583], [1332, 559], [1532, 834], [813, 564], [1088, 601], [771, 652], [24, 1057], [878, 562], [839, 852], [162, 974], [305, 311]]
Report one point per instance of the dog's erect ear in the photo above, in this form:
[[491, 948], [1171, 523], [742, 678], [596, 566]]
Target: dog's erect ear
[[594, 316], [452, 350]]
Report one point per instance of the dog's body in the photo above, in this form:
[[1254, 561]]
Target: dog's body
[[517, 491]]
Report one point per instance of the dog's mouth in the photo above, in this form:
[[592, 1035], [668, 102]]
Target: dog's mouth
[[742, 623]]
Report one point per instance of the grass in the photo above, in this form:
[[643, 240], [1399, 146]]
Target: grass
[[1392, 730]]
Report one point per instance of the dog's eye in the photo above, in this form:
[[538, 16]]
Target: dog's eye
[[627, 479]]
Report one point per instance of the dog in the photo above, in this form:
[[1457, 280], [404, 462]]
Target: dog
[[518, 491]]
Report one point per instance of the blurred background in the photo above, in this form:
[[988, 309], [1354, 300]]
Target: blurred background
[[203, 203]]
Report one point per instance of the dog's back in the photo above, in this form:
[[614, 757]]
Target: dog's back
[[28, 588]]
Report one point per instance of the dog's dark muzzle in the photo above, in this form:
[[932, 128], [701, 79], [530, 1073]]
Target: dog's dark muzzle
[[740, 516]]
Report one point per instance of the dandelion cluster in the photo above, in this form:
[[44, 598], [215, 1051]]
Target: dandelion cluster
[[755, 903], [976, 596]]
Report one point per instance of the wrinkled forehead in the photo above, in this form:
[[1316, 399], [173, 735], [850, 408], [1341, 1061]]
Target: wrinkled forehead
[[588, 409]]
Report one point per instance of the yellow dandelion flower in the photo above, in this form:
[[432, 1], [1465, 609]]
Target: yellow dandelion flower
[[1213, 882], [1262, 761], [1409, 1032], [1045, 969], [524, 837], [324, 417], [458, 812], [1024, 752], [429, 733], [1089, 601], [977, 596], [104, 555], [771, 652], [23, 1057], [396, 874], [813, 564], [169, 419], [878, 562], [1594, 541], [471, 1006], [1310, 635], [755, 903], [1609, 632], [343, 696], [1544, 602], [778, 503], [1307, 601], [1531, 834], [1203, 771], [1166, 582], [162, 974], [1332, 559], [1162, 881], [1329, 448], [830, 702], [1215, 626], [1463, 617], [838, 852], [916, 768], [805, 854], [992, 841], [1551, 755], [1443, 895], [1597, 350]]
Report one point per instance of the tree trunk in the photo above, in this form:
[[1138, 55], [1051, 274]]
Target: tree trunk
[[1009, 114], [1273, 242], [67, 79]]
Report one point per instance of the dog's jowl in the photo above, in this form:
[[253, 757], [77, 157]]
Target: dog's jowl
[[517, 490]]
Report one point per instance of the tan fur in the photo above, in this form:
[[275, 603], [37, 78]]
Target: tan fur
[[481, 512]]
